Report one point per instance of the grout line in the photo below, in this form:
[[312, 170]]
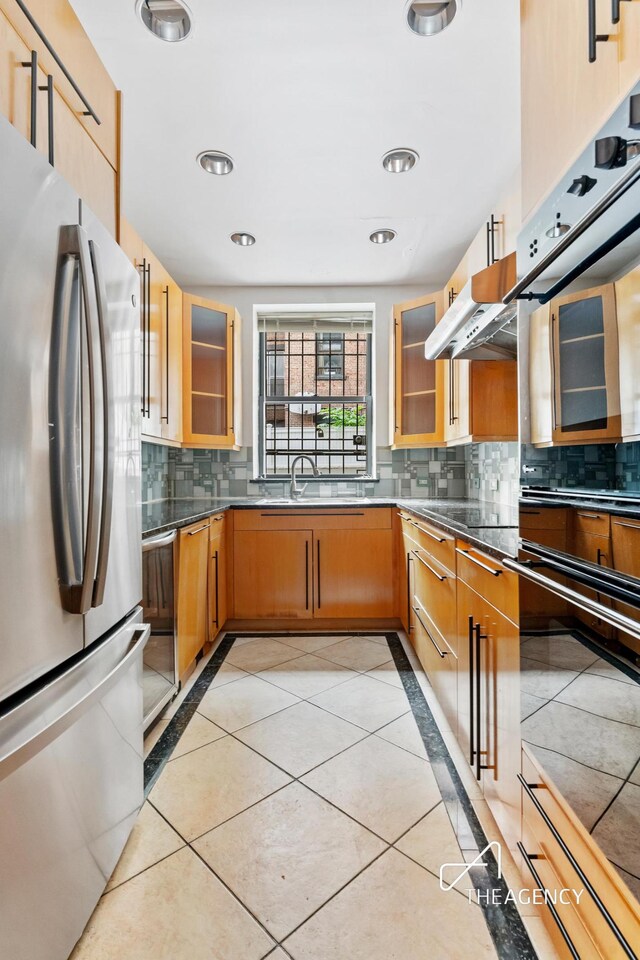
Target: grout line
[[151, 865], [627, 780], [624, 723]]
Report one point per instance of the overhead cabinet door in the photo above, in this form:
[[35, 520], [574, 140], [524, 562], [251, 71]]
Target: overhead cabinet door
[[208, 330], [419, 415]]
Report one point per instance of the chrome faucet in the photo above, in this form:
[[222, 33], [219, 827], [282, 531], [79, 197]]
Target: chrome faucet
[[295, 491]]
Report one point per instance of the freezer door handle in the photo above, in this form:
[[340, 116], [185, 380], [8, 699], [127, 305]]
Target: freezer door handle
[[76, 549], [108, 452], [19, 753]]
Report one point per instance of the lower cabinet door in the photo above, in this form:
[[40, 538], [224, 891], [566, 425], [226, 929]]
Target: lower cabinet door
[[353, 573], [438, 659], [489, 705], [217, 579], [272, 574], [193, 557]]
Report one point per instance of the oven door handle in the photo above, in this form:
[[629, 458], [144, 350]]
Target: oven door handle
[[161, 540], [607, 614]]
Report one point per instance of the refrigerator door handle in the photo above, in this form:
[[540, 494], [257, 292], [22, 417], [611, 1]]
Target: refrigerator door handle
[[19, 754], [76, 551], [106, 506]]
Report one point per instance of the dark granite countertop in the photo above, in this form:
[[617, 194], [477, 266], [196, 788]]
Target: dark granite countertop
[[488, 526], [604, 505]]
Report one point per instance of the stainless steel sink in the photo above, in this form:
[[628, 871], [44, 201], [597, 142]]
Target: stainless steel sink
[[312, 502]]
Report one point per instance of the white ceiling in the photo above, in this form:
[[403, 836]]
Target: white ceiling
[[307, 97]]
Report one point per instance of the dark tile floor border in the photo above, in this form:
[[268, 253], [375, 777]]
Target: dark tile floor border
[[504, 923]]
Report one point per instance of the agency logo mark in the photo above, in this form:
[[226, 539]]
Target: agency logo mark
[[464, 868]]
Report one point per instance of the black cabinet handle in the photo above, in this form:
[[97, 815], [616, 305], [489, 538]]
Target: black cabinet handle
[[88, 111], [441, 653], [49, 88], [215, 557], [528, 859], [472, 726], [306, 574], [166, 354], [318, 551], [32, 64], [528, 789], [594, 38], [478, 705], [615, 11]]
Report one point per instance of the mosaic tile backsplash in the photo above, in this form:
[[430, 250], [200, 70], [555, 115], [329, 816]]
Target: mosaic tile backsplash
[[597, 466], [486, 471]]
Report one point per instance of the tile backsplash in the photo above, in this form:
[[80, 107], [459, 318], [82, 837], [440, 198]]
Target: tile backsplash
[[596, 466], [485, 471]]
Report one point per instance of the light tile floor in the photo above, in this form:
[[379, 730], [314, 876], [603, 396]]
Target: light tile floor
[[298, 817], [581, 717]]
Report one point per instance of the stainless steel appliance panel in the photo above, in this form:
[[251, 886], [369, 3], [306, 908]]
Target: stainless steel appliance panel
[[71, 786], [35, 632], [160, 678], [120, 284]]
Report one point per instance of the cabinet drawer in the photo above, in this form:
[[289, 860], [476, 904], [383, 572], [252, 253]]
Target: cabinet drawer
[[562, 849], [590, 521], [489, 579], [216, 526], [303, 518], [437, 658], [543, 518], [437, 543], [435, 589]]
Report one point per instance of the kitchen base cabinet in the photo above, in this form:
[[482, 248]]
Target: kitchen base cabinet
[[437, 658], [272, 574], [217, 574], [489, 688], [353, 574], [192, 617], [548, 823]]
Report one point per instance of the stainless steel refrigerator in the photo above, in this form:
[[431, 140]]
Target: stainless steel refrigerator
[[71, 631]]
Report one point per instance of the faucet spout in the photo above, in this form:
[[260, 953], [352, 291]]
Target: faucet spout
[[295, 490]]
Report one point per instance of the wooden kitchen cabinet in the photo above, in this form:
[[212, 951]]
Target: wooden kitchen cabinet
[[77, 156], [625, 556], [217, 574], [210, 367], [540, 377], [481, 401], [565, 99], [192, 610], [272, 574], [488, 678], [419, 383], [584, 362], [164, 353], [628, 316], [353, 573]]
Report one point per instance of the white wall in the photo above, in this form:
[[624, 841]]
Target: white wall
[[244, 298]]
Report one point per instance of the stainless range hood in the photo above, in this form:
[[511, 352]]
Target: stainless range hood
[[478, 325]]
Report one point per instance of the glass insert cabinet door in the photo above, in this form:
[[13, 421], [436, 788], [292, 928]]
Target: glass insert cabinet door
[[584, 353], [419, 383], [208, 373]]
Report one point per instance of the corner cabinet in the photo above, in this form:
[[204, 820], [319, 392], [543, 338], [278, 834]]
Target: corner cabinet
[[419, 383], [210, 414]]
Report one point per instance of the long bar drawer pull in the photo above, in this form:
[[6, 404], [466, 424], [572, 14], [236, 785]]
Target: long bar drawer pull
[[429, 534], [528, 859], [192, 533], [528, 789], [589, 516], [631, 526], [425, 564], [479, 563], [441, 653]]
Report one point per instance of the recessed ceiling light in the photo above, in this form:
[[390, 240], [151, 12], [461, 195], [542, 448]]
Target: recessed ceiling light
[[168, 20], [213, 161], [428, 17], [243, 239], [399, 161], [382, 236]]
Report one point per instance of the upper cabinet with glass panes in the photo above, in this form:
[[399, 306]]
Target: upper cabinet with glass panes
[[419, 383], [210, 400]]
